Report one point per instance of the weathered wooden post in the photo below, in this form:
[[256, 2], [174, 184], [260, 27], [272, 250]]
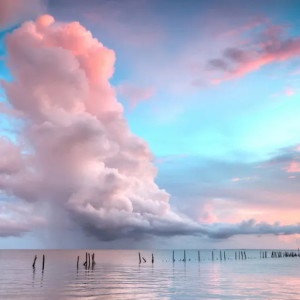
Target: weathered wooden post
[[184, 256], [144, 259], [43, 262], [86, 259], [173, 256], [235, 255], [220, 255], [152, 260], [224, 256], [77, 261], [212, 255], [199, 255], [89, 256], [93, 259], [33, 265], [140, 258]]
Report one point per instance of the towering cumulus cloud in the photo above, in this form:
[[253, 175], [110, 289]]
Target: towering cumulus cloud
[[80, 154]]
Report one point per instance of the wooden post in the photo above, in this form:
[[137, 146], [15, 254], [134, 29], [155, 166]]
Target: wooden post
[[184, 256], [33, 265], [140, 260], [220, 255], [152, 260], [43, 262], [93, 259], [77, 261], [224, 256], [173, 256], [212, 255], [144, 259], [199, 255], [86, 259]]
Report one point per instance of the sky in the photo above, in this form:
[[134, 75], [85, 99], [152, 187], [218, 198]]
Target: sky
[[149, 124]]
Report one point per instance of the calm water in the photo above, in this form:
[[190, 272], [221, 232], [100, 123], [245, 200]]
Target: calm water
[[118, 275]]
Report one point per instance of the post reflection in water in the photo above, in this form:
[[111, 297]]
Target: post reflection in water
[[118, 275], [42, 278]]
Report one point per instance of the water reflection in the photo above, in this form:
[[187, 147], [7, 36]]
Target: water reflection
[[33, 276]]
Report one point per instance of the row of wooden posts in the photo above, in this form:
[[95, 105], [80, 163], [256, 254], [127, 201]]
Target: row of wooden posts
[[43, 265], [144, 259], [89, 260], [238, 255]]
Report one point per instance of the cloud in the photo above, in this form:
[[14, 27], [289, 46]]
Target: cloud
[[270, 44], [235, 179], [13, 12], [293, 167], [222, 231], [261, 190], [16, 220], [75, 156], [289, 92], [80, 154], [133, 94]]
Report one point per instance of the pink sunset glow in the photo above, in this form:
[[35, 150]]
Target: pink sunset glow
[[238, 61], [113, 130], [294, 167]]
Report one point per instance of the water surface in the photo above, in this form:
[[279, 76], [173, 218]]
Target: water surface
[[118, 275]]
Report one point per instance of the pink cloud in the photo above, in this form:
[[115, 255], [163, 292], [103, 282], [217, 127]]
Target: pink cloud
[[236, 179], [16, 220], [289, 92], [81, 158], [133, 94], [266, 47], [293, 167]]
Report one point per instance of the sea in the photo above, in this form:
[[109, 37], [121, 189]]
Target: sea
[[131, 274]]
